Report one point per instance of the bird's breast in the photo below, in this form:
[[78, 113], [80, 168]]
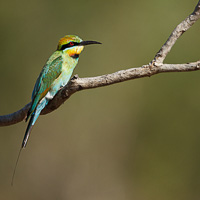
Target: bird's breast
[[68, 66]]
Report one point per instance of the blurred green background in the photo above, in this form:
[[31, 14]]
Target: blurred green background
[[135, 140]]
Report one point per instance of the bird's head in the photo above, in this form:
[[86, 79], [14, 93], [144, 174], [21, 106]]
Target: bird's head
[[73, 45]]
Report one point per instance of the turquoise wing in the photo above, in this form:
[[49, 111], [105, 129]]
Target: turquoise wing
[[49, 73]]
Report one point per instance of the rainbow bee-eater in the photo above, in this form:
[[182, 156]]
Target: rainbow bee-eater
[[55, 74]]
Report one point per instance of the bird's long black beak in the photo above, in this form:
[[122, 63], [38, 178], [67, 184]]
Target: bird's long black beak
[[84, 43]]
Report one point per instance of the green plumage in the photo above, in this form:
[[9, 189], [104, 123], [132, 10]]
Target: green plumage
[[49, 73], [55, 74]]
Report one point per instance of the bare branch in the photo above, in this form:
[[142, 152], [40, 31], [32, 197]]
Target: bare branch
[[156, 66], [77, 84], [15, 117], [177, 32]]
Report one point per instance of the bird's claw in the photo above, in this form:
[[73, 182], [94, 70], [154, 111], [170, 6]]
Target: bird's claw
[[75, 77]]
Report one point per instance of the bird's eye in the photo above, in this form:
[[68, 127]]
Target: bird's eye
[[71, 44], [68, 45]]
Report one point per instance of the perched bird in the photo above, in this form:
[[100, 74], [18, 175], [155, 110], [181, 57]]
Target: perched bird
[[55, 74]]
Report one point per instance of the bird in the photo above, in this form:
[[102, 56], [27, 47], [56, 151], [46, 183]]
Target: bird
[[55, 74]]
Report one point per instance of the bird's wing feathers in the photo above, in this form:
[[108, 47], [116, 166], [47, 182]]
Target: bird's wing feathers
[[49, 73]]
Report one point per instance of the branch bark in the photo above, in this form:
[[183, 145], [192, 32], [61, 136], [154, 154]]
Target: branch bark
[[156, 66]]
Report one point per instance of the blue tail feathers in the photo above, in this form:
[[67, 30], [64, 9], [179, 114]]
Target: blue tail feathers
[[33, 119]]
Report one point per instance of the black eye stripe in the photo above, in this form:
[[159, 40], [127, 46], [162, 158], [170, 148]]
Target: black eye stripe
[[68, 45]]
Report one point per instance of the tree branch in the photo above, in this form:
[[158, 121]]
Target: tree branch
[[156, 66], [177, 32]]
